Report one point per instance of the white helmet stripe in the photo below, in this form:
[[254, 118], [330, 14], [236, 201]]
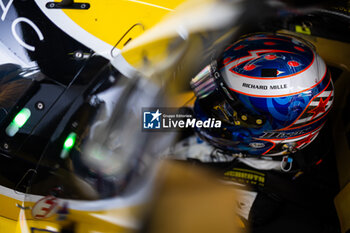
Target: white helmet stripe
[[275, 87]]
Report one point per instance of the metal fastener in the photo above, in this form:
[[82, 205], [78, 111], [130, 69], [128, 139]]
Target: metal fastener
[[39, 105]]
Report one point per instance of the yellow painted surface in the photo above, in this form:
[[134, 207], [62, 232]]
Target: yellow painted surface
[[7, 225], [11, 219], [184, 99], [151, 57], [37, 226], [109, 20], [94, 228], [9, 208], [30, 226], [342, 203], [107, 219]]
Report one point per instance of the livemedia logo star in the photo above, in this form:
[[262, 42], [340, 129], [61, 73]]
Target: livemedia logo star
[[151, 120]]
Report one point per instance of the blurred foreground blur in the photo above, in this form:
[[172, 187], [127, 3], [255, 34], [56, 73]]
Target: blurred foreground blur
[[75, 80]]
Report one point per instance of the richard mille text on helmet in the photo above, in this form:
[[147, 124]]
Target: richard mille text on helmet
[[271, 92]]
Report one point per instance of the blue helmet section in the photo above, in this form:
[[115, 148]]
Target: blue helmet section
[[287, 55], [282, 111], [290, 121]]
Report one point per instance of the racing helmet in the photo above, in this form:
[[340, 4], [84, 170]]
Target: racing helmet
[[272, 93]]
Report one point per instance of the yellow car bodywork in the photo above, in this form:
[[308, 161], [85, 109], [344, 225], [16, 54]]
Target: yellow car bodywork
[[111, 21]]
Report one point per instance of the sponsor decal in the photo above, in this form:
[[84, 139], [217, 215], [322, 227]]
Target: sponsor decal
[[173, 119], [276, 134], [45, 207], [257, 145], [5, 7], [265, 87], [245, 176]]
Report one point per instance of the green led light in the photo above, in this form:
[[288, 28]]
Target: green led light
[[17, 122], [22, 117], [70, 141]]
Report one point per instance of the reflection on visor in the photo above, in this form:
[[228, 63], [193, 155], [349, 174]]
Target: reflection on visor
[[203, 84]]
